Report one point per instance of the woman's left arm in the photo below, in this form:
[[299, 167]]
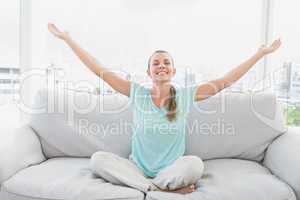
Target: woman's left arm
[[214, 86]]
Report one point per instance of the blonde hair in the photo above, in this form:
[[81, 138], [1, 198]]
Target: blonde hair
[[171, 103]]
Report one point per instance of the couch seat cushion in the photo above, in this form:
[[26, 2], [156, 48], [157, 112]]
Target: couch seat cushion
[[65, 178], [233, 179]]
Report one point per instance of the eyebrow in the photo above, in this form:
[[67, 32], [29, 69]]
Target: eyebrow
[[158, 60]]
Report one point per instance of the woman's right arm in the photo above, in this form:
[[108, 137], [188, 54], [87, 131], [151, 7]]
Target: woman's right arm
[[116, 82]]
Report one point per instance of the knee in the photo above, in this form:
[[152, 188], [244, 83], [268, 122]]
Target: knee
[[98, 158], [185, 171], [100, 155]]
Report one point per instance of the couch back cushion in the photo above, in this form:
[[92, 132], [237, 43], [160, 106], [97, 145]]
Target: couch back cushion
[[235, 125], [239, 125], [77, 124]]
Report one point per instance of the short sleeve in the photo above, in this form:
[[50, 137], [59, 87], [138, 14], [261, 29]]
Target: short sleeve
[[186, 97], [133, 90], [192, 92], [137, 92]]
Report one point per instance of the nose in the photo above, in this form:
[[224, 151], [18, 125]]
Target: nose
[[161, 66]]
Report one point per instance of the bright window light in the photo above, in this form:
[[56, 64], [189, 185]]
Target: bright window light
[[207, 37], [285, 66], [9, 61]]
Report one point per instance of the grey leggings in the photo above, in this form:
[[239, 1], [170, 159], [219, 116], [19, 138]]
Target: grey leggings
[[184, 171]]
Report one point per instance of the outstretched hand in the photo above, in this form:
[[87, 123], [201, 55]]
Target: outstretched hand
[[270, 49], [56, 32]]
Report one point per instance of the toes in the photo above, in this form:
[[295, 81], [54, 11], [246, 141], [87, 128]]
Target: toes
[[192, 187]]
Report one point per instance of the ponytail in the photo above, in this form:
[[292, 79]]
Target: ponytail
[[172, 105]]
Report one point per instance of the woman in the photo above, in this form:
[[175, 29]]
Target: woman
[[157, 160]]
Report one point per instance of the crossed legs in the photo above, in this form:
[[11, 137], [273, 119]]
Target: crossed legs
[[179, 177]]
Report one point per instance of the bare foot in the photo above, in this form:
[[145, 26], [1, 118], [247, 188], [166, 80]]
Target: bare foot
[[183, 190]]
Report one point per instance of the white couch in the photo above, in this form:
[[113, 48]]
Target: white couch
[[248, 151]]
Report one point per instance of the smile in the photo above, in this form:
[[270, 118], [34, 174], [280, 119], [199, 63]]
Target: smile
[[161, 73]]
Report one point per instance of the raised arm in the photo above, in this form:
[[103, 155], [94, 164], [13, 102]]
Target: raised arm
[[116, 82], [214, 86]]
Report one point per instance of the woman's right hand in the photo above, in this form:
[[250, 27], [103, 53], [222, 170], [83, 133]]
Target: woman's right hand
[[56, 32]]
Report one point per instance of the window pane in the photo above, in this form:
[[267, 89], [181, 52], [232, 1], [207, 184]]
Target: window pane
[[9, 21], [209, 37], [285, 65], [286, 20], [9, 60]]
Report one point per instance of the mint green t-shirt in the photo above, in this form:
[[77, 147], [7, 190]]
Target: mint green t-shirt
[[157, 142]]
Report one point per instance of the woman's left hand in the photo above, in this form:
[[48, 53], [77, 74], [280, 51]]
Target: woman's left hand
[[270, 49]]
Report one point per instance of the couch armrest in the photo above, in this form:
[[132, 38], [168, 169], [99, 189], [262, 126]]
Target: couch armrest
[[283, 158], [19, 148]]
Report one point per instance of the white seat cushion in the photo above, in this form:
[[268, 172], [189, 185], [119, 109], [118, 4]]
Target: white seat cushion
[[233, 179], [71, 178], [65, 178]]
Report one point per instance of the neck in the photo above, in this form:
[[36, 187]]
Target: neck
[[161, 89]]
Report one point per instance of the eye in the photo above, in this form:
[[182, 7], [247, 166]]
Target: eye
[[167, 63]]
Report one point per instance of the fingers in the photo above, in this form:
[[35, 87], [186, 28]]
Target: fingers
[[54, 28], [51, 26], [276, 44], [278, 40], [271, 48]]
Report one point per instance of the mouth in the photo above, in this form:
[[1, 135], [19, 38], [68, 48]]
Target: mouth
[[162, 73]]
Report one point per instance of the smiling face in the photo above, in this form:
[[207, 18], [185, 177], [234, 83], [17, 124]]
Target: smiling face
[[161, 67]]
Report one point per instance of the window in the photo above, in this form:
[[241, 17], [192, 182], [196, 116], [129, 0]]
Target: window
[[286, 64], [208, 37], [9, 60]]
